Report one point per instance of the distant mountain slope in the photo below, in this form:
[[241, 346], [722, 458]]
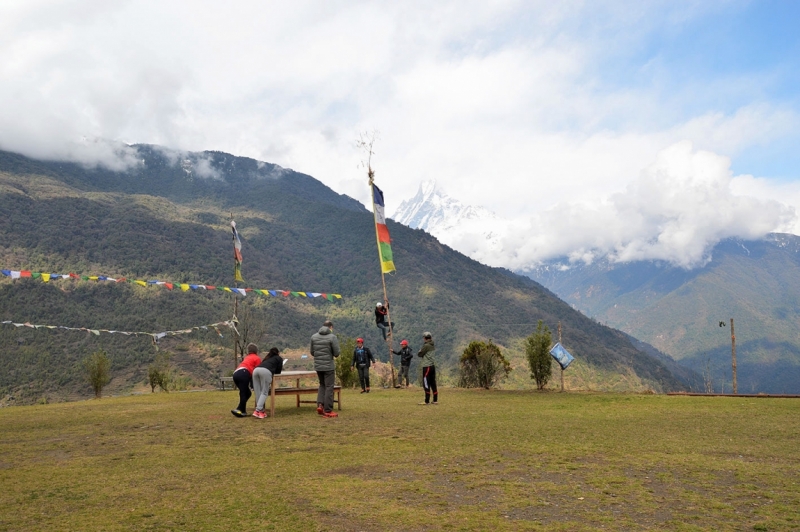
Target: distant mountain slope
[[168, 219], [755, 282]]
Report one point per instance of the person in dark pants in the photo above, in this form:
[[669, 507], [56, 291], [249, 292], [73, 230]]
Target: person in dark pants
[[382, 319], [428, 355], [405, 362], [324, 348], [243, 379], [362, 359]]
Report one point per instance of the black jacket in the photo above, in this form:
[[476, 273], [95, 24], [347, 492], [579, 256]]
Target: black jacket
[[365, 357], [274, 364], [381, 314], [406, 356]]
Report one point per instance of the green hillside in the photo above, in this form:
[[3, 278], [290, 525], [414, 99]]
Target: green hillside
[[163, 220], [679, 311]]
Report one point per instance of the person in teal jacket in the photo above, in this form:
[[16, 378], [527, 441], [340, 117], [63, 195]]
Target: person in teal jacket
[[362, 359]]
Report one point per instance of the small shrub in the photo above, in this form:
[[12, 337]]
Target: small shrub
[[97, 368], [537, 351], [180, 383], [482, 365], [345, 375], [159, 373]]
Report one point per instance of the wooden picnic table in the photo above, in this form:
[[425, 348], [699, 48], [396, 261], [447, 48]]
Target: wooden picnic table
[[297, 390]]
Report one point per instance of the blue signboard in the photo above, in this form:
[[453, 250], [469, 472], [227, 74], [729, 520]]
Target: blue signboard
[[561, 355]]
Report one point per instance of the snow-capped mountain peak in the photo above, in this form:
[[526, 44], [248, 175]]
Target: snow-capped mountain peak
[[436, 212]]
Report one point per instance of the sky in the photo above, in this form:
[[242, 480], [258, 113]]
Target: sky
[[626, 129]]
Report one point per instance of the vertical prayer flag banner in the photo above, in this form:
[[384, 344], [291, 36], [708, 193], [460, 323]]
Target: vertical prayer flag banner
[[237, 254], [562, 356], [382, 232]]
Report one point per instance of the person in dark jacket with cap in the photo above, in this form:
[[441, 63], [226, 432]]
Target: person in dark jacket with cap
[[406, 356], [324, 348], [362, 359]]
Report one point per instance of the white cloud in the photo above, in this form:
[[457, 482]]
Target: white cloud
[[514, 106], [678, 208]]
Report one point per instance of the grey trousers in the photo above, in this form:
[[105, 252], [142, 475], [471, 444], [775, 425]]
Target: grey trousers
[[262, 380], [403, 373], [384, 327], [325, 393]]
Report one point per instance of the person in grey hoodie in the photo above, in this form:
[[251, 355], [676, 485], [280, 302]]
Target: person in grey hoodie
[[324, 348]]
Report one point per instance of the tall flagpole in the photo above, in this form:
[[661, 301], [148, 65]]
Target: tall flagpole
[[367, 144], [237, 348], [371, 175]]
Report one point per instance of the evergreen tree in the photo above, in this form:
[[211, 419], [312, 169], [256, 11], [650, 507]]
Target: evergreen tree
[[346, 376], [97, 368], [537, 351], [482, 365]]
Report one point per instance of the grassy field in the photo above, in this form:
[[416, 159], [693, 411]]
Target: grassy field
[[497, 460]]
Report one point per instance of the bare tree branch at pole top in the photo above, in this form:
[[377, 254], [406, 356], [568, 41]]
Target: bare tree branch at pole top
[[366, 141]]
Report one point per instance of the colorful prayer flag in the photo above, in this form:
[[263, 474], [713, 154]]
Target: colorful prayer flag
[[381, 231]]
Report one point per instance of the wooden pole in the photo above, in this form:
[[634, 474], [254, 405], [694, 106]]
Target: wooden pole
[[237, 348], [733, 358], [562, 369], [391, 331], [371, 176]]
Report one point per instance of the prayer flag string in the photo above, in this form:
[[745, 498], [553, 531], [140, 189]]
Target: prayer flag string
[[185, 287], [154, 336]]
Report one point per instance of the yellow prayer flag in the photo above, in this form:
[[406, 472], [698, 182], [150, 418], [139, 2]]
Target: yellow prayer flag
[[184, 287], [46, 277], [142, 283]]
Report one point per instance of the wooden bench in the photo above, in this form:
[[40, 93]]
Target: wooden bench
[[224, 381], [337, 394], [298, 390]]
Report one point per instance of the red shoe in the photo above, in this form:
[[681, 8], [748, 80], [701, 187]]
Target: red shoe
[[320, 411], [330, 414]]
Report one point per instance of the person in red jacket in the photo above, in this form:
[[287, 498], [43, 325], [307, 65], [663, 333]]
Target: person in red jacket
[[243, 379]]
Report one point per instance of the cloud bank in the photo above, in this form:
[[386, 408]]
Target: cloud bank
[[525, 108], [675, 211]]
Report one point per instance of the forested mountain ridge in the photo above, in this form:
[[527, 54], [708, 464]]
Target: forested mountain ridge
[[679, 311], [167, 218]]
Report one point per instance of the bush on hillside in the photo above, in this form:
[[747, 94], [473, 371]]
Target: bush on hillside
[[346, 376], [482, 365], [97, 368], [537, 351], [159, 373]]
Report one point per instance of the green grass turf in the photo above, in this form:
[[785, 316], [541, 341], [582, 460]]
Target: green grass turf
[[496, 460]]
